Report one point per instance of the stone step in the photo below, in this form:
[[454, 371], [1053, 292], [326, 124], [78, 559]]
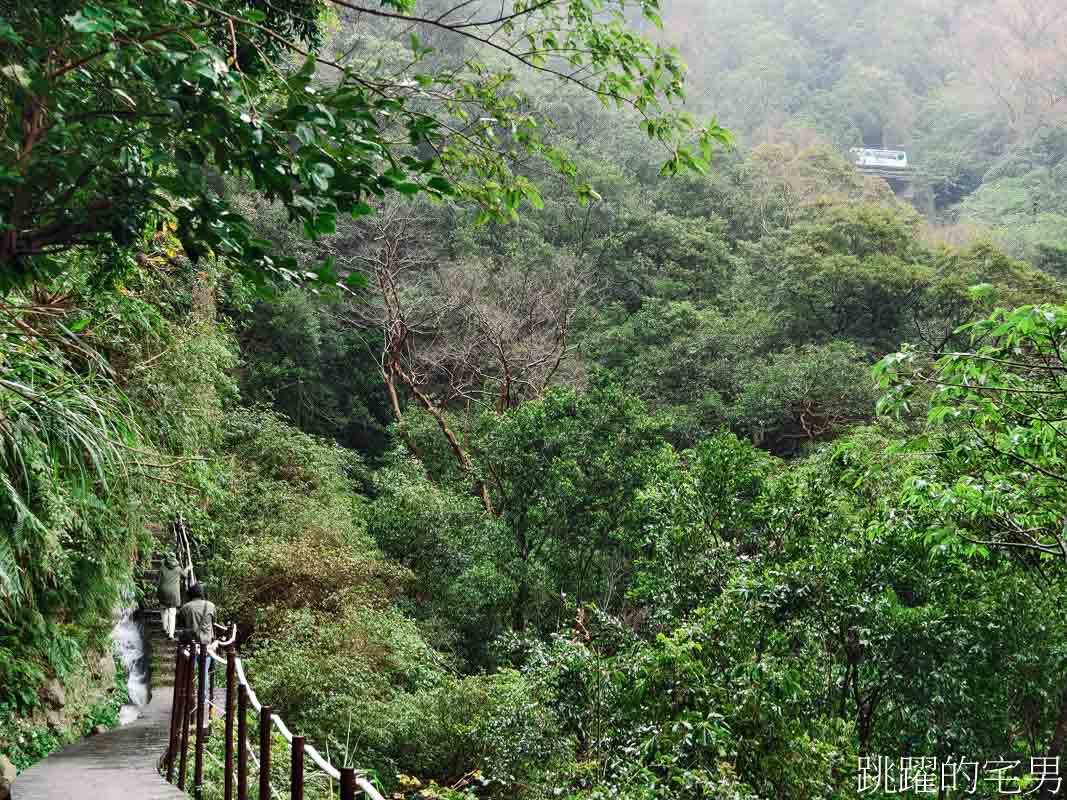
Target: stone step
[[162, 650]]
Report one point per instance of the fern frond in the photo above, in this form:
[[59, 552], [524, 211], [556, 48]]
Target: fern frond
[[10, 575]]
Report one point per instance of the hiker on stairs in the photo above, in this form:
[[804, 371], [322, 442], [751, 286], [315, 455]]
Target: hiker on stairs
[[169, 591], [196, 626]]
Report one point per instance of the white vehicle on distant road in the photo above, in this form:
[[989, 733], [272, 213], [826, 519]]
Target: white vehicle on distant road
[[865, 157]]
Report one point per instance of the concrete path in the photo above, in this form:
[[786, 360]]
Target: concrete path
[[118, 765]]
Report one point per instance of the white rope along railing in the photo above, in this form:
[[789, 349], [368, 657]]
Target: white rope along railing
[[283, 729]]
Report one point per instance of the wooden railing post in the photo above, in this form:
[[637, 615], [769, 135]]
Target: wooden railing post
[[348, 783], [190, 685], [187, 714], [231, 683], [211, 695], [242, 742], [264, 752], [296, 775], [177, 711], [201, 708]]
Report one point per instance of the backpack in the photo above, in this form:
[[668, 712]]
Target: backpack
[[197, 619]]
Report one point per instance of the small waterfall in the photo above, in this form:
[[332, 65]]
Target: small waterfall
[[127, 640]]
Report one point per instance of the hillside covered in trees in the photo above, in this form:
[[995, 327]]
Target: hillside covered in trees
[[974, 90], [542, 437]]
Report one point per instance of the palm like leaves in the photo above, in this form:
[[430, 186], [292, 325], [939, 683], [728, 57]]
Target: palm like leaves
[[62, 437]]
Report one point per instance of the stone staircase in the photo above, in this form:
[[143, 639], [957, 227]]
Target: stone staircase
[[160, 648]]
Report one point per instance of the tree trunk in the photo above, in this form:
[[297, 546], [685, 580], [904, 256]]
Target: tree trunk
[[394, 401], [442, 423]]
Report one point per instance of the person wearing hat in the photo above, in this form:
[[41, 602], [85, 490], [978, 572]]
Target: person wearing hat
[[169, 591]]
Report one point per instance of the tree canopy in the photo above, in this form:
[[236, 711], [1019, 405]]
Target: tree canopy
[[115, 112]]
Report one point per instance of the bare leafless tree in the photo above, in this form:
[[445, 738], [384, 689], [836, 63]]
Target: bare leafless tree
[[510, 329], [1014, 52], [390, 252], [457, 334]]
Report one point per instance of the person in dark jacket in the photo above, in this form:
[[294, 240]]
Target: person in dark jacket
[[196, 619], [169, 591], [196, 625]]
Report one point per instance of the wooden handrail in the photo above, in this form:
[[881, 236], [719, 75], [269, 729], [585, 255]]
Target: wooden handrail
[[246, 697], [311, 752]]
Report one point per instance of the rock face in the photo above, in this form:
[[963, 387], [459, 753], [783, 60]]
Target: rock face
[[7, 777], [54, 694], [56, 721], [103, 664]]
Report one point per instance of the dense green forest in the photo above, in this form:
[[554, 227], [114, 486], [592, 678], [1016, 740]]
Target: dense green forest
[[542, 437]]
